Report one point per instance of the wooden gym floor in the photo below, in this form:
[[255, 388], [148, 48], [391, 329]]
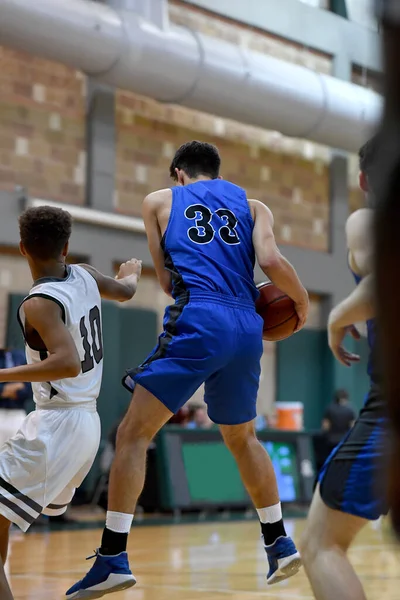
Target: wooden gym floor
[[219, 561]]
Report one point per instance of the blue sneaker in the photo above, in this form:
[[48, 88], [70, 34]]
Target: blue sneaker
[[283, 558], [108, 574]]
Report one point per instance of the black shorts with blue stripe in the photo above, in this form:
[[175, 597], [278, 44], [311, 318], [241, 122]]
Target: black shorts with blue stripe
[[353, 477]]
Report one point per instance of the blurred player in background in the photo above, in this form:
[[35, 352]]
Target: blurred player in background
[[55, 447], [204, 236], [387, 240], [349, 494], [13, 396]]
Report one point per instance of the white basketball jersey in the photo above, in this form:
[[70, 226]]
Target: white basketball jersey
[[79, 299]]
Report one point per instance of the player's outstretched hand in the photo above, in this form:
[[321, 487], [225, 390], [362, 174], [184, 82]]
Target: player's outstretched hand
[[335, 340], [131, 267]]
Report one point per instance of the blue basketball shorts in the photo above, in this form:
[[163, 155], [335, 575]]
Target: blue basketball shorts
[[353, 478], [212, 339]]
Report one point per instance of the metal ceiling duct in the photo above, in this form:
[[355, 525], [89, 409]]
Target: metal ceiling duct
[[177, 65]]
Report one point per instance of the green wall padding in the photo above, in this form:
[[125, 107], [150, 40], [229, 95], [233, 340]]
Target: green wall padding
[[354, 378], [205, 482], [14, 334], [301, 363], [307, 372]]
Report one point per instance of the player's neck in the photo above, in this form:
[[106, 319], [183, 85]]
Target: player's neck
[[196, 179], [48, 269]]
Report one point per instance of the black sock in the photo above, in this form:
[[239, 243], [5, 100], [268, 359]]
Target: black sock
[[272, 531], [113, 543]]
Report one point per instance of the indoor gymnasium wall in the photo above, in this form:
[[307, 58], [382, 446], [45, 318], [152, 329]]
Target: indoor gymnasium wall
[[42, 127]]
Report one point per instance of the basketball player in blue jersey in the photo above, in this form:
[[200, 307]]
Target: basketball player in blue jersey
[[351, 486], [204, 236]]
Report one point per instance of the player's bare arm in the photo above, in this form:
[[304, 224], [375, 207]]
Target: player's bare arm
[[151, 209], [275, 266], [45, 318], [359, 305], [123, 287]]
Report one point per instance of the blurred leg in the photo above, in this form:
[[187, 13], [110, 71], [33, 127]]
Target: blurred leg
[[387, 241], [324, 546], [4, 535], [5, 591]]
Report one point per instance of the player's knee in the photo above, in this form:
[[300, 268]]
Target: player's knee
[[237, 437], [133, 431], [316, 539], [4, 528], [309, 547]]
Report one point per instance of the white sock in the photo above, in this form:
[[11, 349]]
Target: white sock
[[271, 514], [119, 522]]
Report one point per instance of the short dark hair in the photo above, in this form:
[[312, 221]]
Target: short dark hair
[[44, 231], [367, 155], [196, 158], [341, 395]]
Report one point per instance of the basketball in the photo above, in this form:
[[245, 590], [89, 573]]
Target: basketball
[[278, 312]]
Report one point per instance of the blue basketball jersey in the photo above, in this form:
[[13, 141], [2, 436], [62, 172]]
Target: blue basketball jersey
[[208, 242]]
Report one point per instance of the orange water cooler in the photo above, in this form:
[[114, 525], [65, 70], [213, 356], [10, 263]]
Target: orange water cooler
[[289, 415]]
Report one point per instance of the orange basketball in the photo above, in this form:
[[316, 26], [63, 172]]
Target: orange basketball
[[278, 312]]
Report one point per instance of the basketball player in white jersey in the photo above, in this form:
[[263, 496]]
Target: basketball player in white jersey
[[43, 464]]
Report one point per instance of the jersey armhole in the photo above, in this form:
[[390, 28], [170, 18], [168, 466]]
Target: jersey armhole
[[248, 209], [163, 240], [82, 267], [38, 295]]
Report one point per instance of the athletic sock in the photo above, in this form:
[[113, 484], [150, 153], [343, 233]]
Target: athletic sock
[[115, 534], [272, 526]]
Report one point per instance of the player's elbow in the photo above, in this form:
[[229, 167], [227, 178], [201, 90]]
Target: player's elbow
[[271, 263], [71, 367], [167, 289], [126, 293]]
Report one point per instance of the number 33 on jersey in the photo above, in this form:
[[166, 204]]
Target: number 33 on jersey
[[203, 231]]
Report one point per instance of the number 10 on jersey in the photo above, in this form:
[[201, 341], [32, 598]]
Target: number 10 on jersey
[[94, 350]]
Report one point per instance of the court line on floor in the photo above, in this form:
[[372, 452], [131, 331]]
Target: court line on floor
[[184, 588], [185, 562], [263, 593]]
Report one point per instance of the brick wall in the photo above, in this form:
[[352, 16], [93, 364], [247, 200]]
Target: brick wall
[[247, 37], [42, 127]]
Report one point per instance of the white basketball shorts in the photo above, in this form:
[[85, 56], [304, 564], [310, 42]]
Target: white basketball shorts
[[47, 459]]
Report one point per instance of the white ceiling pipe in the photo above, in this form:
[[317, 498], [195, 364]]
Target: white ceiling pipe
[[91, 216], [177, 65]]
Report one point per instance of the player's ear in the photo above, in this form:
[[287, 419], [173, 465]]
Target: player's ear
[[22, 249], [65, 250], [363, 182], [180, 177], [219, 177]]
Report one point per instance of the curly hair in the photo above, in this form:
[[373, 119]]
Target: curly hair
[[44, 231], [196, 158]]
